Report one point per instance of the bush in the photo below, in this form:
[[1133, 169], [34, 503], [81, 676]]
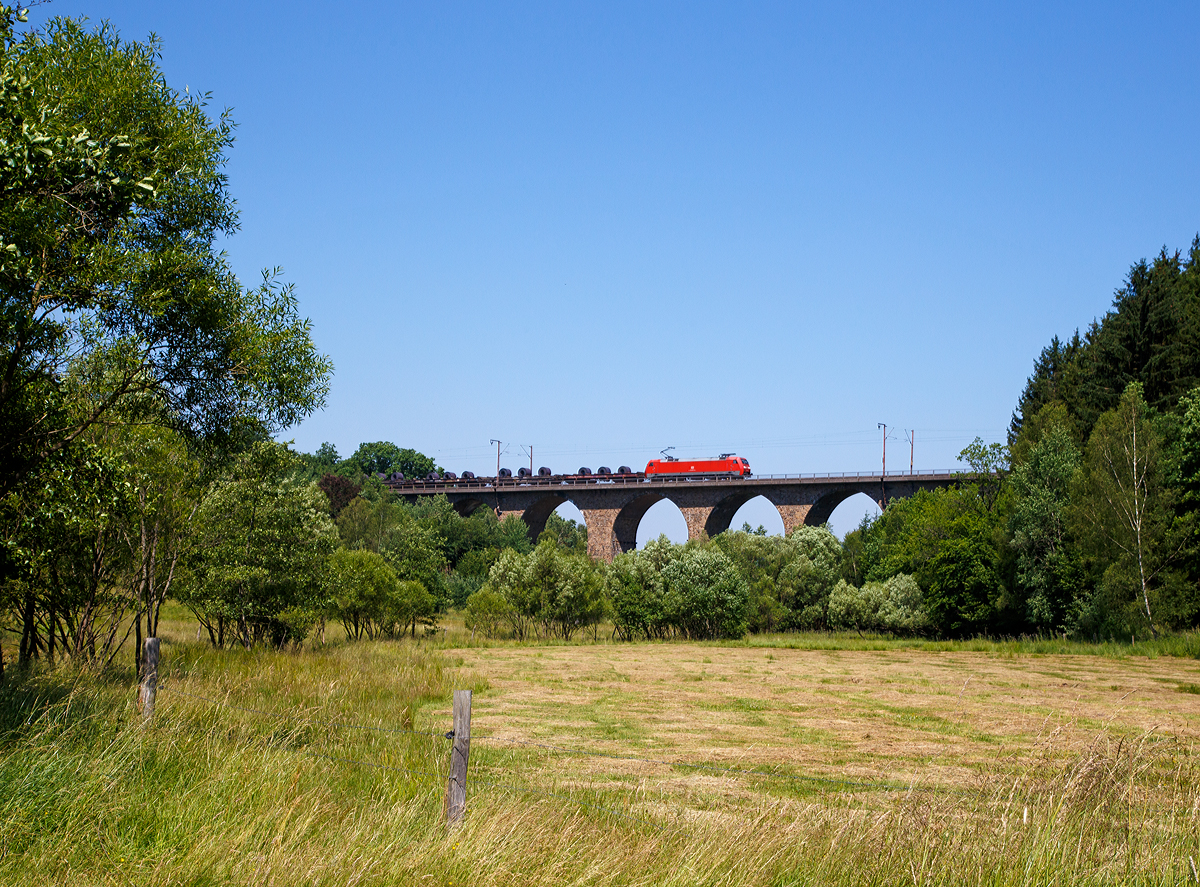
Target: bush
[[636, 597], [706, 596], [362, 587], [413, 603], [903, 608], [894, 607], [812, 571], [487, 611], [560, 592]]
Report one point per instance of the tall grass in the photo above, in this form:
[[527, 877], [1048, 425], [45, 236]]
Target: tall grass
[[256, 776]]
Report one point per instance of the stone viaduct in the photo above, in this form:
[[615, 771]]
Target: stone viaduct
[[613, 506]]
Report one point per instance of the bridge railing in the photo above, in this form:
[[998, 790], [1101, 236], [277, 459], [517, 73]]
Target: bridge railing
[[920, 472]]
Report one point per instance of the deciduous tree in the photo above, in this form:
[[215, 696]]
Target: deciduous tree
[[264, 540], [1123, 509]]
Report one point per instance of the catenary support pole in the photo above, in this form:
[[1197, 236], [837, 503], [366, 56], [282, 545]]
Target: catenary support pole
[[460, 750]]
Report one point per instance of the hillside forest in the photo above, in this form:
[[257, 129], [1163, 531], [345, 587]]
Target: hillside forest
[[144, 391]]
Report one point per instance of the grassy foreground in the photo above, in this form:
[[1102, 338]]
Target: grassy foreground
[[886, 767]]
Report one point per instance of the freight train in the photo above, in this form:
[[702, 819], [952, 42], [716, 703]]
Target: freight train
[[725, 465]]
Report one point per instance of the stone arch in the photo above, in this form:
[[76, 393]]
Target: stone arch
[[823, 507], [759, 511], [536, 515], [467, 507], [719, 519], [625, 526], [849, 513]]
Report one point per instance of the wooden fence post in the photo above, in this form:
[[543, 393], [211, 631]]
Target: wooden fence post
[[149, 685], [456, 787]]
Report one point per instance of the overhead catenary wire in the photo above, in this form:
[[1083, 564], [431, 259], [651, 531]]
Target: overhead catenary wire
[[833, 438]]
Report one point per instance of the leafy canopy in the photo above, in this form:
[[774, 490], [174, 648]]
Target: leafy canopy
[[112, 194]]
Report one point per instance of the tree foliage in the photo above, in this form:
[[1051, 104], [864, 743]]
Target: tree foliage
[[548, 590], [1048, 578], [1123, 509], [893, 607], [1151, 336], [258, 573], [112, 196], [706, 596], [384, 457]]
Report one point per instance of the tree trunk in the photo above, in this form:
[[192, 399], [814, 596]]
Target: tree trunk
[[50, 631], [28, 630], [137, 643]]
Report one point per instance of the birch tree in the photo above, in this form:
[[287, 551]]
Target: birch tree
[[1123, 508]]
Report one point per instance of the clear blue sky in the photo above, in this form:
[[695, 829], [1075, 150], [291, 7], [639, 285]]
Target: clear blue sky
[[603, 229]]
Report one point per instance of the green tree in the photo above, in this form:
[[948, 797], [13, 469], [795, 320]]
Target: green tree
[[413, 605], [364, 523], [854, 552], [813, 566], [569, 588], [760, 559], [165, 486], [706, 596], [960, 580], [261, 554], [487, 611], [384, 457], [1123, 508], [363, 591], [790, 578], [1048, 574], [903, 609], [113, 197], [416, 554], [989, 466], [855, 609], [62, 537], [1151, 336], [509, 577], [1045, 386], [637, 596], [950, 541], [566, 534], [312, 466]]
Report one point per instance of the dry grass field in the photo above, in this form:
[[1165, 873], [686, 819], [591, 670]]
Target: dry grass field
[[789, 761], [948, 720]]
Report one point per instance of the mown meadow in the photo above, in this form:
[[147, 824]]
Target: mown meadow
[[792, 759]]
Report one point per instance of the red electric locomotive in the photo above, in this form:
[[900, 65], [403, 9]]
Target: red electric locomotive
[[725, 465]]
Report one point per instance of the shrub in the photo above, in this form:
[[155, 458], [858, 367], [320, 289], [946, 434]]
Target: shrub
[[362, 588], [487, 611], [895, 606], [412, 603], [706, 596], [636, 597]]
